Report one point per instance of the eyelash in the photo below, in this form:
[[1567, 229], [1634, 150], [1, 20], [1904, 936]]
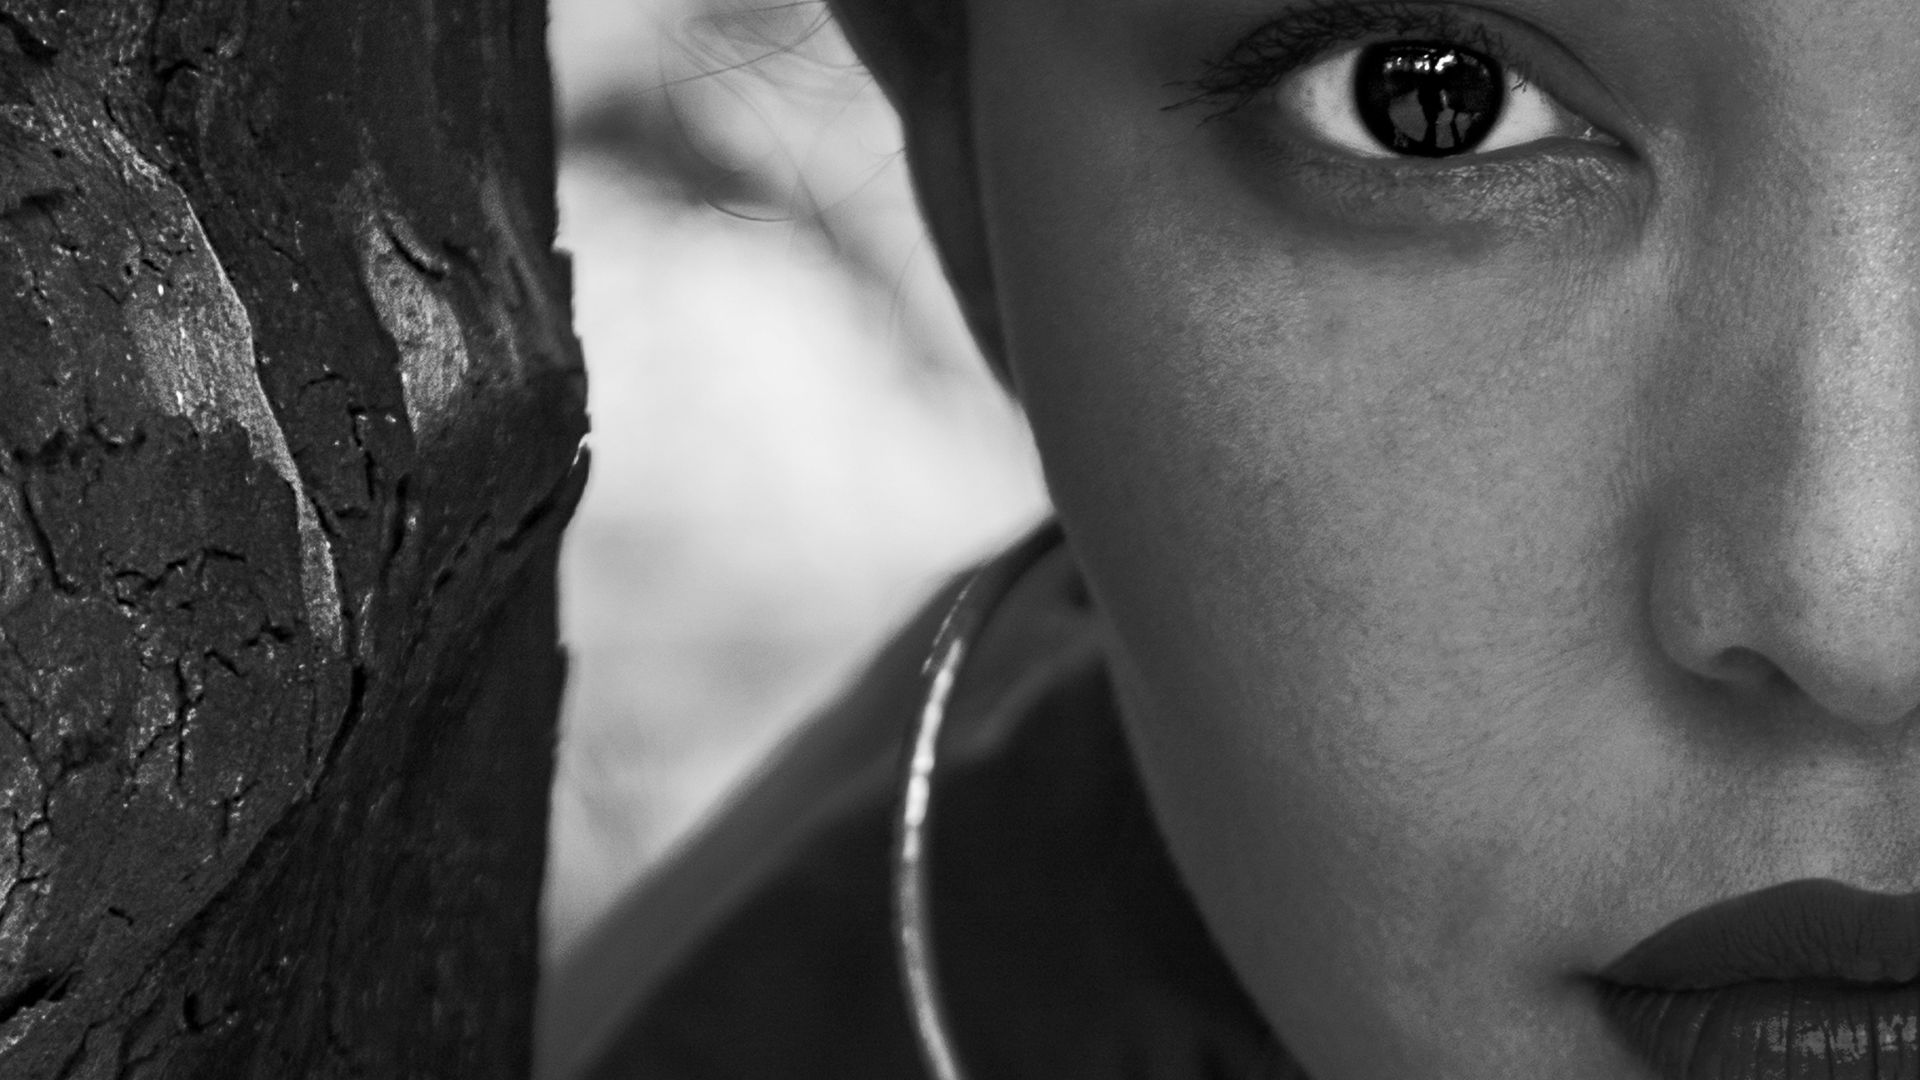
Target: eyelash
[[1265, 57]]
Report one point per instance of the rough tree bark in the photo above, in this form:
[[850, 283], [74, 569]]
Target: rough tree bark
[[289, 418]]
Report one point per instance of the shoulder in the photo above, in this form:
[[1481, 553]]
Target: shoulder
[[763, 946], [1068, 946]]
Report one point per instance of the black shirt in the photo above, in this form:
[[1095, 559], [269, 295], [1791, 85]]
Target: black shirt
[[1068, 946]]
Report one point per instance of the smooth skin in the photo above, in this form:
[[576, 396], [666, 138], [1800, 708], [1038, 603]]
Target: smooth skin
[[1501, 559]]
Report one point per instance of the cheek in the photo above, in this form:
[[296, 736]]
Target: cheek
[[1362, 516], [1366, 549], [1347, 529], [1335, 478]]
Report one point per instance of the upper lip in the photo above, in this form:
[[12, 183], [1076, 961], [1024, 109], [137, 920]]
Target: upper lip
[[1802, 930]]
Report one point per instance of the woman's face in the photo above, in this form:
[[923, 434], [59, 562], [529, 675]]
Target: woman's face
[[1507, 552]]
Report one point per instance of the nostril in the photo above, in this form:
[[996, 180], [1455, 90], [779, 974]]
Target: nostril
[[1770, 617], [1861, 692], [1749, 670]]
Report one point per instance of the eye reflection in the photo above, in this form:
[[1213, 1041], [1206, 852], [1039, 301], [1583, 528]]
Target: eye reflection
[[1427, 100]]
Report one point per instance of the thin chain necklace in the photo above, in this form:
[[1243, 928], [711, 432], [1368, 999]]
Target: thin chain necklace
[[913, 828]]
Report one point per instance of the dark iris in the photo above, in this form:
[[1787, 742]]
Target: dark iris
[[1428, 99]]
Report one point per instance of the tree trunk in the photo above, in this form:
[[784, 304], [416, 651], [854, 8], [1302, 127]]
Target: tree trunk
[[289, 409]]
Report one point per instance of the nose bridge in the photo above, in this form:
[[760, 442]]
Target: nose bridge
[[1851, 384]]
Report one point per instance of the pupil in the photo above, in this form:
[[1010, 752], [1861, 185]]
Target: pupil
[[1428, 99]]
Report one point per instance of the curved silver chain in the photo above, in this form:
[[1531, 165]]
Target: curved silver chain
[[919, 967]]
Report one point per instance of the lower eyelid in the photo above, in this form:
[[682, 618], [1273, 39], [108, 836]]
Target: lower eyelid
[[1558, 194]]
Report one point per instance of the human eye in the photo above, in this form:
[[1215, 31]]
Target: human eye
[[1428, 99], [1393, 81]]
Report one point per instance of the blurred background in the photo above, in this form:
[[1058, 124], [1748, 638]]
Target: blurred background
[[793, 440]]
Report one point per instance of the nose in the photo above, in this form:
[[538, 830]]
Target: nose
[[1787, 562]]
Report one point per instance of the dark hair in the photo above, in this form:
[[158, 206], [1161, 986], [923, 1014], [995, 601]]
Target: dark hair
[[917, 50], [913, 47]]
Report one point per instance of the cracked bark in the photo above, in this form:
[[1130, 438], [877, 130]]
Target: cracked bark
[[289, 420]]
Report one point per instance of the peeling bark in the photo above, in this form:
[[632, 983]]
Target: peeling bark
[[289, 425]]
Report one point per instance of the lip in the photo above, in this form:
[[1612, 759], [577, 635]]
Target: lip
[[1801, 980]]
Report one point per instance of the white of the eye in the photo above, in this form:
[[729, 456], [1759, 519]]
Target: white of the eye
[[1321, 97]]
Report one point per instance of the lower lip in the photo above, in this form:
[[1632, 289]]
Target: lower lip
[[1772, 1031]]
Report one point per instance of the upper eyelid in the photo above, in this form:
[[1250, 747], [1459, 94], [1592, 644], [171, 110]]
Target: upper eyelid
[[1261, 59]]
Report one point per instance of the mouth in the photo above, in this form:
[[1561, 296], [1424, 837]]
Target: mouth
[[1803, 980]]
